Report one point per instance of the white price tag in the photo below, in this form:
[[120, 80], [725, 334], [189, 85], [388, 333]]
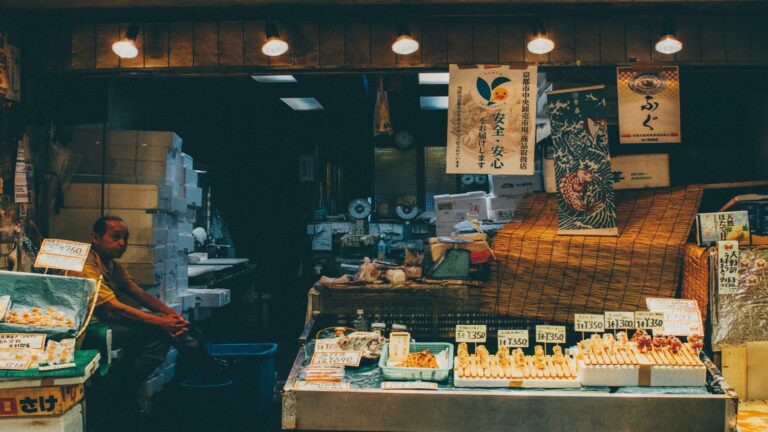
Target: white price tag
[[22, 340], [322, 386], [327, 345], [399, 347], [681, 316], [590, 323], [14, 364], [62, 255], [56, 367], [649, 320], [471, 333], [408, 385], [337, 358], [550, 334], [619, 320], [513, 338]]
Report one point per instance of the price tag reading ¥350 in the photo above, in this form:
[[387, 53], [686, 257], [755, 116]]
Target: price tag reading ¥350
[[591, 323], [471, 333], [619, 320], [513, 338], [550, 334], [649, 320]]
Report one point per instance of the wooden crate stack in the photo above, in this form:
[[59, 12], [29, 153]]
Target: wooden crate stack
[[151, 184]]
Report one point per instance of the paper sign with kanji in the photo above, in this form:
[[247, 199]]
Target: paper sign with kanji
[[491, 120], [649, 104]]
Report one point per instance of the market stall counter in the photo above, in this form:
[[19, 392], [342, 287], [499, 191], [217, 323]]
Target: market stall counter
[[359, 402]]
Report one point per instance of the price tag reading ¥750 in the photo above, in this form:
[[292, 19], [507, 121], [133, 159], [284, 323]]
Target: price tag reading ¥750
[[550, 334], [649, 320], [619, 320], [471, 333], [591, 323], [513, 338]]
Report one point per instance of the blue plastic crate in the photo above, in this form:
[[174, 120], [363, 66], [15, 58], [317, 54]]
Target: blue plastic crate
[[256, 374], [420, 374]]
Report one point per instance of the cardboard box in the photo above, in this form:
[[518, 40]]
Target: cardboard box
[[630, 172], [76, 224], [142, 273], [40, 401], [72, 421], [116, 196], [744, 368]]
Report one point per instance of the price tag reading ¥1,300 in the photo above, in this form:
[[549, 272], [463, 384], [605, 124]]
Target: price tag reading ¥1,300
[[550, 334], [589, 323], [619, 320], [337, 358], [471, 333], [649, 320], [513, 338]]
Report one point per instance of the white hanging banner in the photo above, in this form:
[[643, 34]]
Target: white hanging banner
[[649, 104], [491, 120]]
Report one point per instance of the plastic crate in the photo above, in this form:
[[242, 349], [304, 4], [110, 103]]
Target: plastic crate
[[256, 370], [418, 374]]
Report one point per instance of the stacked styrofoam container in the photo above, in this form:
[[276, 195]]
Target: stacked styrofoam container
[[498, 206], [506, 193], [150, 183]]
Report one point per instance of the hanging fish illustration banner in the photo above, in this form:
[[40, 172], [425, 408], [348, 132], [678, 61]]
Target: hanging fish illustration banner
[[491, 120], [582, 163], [649, 104]]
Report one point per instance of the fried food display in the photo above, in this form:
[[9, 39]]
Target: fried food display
[[37, 317], [482, 365], [423, 359]]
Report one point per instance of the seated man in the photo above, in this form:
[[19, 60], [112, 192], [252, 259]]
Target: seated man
[[146, 336]]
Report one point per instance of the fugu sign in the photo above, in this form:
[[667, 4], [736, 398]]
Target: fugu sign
[[491, 120]]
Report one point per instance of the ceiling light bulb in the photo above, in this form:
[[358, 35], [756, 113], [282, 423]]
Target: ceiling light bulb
[[669, 44], [125, 48], [274, 46], [405, 45], [541, 44]]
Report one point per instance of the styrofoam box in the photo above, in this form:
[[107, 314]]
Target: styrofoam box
[[611, 376], [184, 227], [187, 161], [210, 297], [502, 215], [75, 224], [143, 254], [502, 202], [194, 196], [455, 208], [182, 284], [186, 242], [187, 301], [506, 185], [71, 421]]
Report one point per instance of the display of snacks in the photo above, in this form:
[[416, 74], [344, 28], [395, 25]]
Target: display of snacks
[[35, 316], [423, 359], [540, 370], [605, 360]]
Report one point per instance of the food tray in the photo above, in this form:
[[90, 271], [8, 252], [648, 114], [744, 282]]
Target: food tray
[[418, 374], [518, 381]]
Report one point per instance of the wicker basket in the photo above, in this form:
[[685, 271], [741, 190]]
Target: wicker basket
[[542, 275], [696, 275]]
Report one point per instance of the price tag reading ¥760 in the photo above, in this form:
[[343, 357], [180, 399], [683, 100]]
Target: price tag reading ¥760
[[513, 338], [62, 255], [649, 320], [591, 323], [619, 320], [471, 333], [550, 334]]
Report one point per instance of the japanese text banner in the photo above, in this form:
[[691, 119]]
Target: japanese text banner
[[491, 120], [649, 105]]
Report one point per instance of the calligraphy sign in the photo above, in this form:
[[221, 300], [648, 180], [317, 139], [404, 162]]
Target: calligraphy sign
[[727, 266], [491, 120], [619, 320], [337, 358], [649, 104], [649, 320], [62, 255], [583, 175]]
